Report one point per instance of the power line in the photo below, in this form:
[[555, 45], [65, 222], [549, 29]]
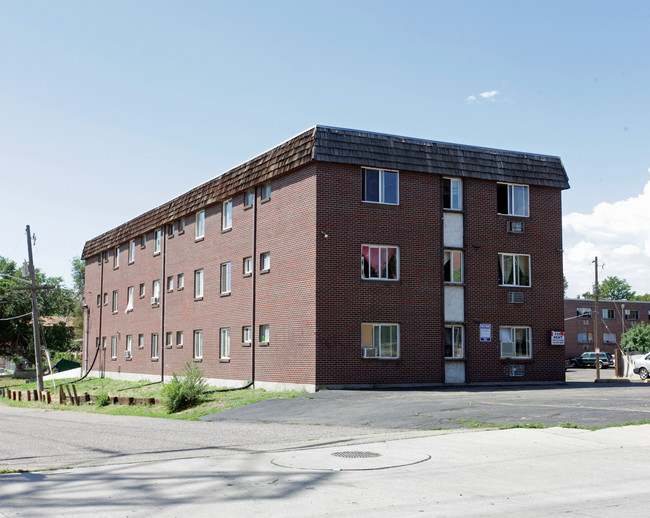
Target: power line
[[14, 318]]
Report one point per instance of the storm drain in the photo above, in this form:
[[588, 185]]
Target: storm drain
[[356, 454]]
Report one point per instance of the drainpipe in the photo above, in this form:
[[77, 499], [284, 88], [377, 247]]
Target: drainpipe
[[101, 310], [253, 286], [86, 310], [163, 292]]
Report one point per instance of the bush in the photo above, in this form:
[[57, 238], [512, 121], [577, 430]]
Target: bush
[[186, 390], [102, 399]]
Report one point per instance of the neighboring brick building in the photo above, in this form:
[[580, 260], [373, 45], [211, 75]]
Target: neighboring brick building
[[614, 318], [341, 258]]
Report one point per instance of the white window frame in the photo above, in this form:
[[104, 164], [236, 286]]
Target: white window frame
[[452, 256], [456, 331], [155, 346], [383, 251], [375, 339], [265, 262], [157, 241], [141, 341], [142, 290], [198, 284], [179, 338], [247, 335], [170, 283], [265, 191], [247, 266], [381, 195], [226, 278], [169, 339], [197, 345], [224, 343], [180, 282], [631, 314], [455, 193], [116, 303], [515, 270], [155, 290], [129, 299], [249, 198], [113, 347], [512, 338], [609, 338], [199, 225], [226, 215], [132, 251], [609, 314], [129, 345], [265, 333], [181, 226], [512, 190], [116, 257]]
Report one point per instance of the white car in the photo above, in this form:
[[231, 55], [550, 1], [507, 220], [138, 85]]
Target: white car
[[642, 367]]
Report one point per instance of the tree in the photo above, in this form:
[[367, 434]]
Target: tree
[[16, 334], [566, 285], [78, 281], [613, 288], [637, 338]]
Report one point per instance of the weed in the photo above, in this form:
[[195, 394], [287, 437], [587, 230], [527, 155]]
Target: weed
[[186, 390]]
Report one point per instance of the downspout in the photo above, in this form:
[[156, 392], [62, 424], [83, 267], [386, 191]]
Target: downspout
[[163, 291], [101, 311], [86, 331], [254, 286]]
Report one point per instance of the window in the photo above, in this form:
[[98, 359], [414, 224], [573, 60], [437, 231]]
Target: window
[[264, 333], [225, 278], [379, 262], [181, 226], [143, 241], [265, 262], [105, 299], [179, 338], [608, 314], [103, 342], [99, 300], [199, 227], [116, 258], [454, 342], [169, 338], [585, 338], [515, 342], [155, 292], [453, 266], [248, 265], [584, 312], [129, 346], [452, 194], [249, 198], [198, 284], [171, 229], [129, 299], [631, 314], [246, 335], [170, 283], [142, 290], [381, 186], [113, 347], [266, 191], [226, 215], [224, 349], [157, 241], [141, 341], [115, 303], [381, 339], [514, 270], [512, 199], [609, 338], [154, 346], [180, 281], [131, 251], [198, 345]]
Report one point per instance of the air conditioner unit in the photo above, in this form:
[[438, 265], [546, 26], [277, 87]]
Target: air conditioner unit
[[369, 352], [154, 301], [516, 297], [127, 354], [516, 227], [507, 349]]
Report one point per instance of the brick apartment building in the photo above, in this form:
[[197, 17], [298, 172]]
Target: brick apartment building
[[614, 318], [340, 258]]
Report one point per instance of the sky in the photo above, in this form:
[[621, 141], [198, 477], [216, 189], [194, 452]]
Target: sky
[[109, 109]]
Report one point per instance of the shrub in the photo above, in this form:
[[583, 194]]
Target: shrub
[[102, 399], [186, 390]]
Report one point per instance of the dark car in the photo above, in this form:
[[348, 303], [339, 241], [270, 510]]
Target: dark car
[[605, 360]]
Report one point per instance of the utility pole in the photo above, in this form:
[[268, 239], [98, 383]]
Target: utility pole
[[596, 321], [37, 330]]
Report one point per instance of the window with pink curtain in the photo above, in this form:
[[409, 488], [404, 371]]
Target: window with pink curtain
[[379, 262]]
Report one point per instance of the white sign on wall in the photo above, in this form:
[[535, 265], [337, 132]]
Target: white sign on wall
[[485, 332], [557, 337]]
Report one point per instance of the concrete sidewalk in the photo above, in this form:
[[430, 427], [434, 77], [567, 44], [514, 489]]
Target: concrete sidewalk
[[536, 472]]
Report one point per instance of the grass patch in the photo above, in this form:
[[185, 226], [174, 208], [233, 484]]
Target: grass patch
[[214, 402], [491, 426]]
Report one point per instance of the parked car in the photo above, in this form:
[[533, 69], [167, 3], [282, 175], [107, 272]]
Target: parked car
[[605, 360], [642, 367]]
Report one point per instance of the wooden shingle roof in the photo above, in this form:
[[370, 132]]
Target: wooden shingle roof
[[327, 144]]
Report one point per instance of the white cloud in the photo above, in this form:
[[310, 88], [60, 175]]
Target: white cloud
[[616, 233], [486, 96]]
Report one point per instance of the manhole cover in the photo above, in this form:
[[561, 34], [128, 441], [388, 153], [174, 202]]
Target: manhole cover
[[356, 454]]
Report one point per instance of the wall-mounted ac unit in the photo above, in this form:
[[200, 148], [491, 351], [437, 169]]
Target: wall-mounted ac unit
[[515, 297], [507, 349], [369, 352], [154, 301], [516, 227]]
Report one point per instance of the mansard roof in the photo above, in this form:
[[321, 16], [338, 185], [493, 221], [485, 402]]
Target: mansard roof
[[345, 146]]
